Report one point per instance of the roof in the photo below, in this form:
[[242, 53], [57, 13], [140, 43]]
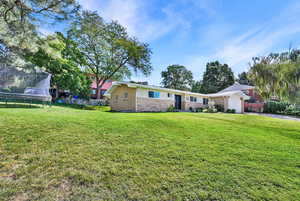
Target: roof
[[134, 85], [237, 87], [105, 86]]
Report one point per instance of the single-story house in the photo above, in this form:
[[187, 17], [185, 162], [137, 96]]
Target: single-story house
[[132, 97]]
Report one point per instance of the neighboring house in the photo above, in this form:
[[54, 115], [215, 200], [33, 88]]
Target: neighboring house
[[255, 103], [102, 91], [131, 97]]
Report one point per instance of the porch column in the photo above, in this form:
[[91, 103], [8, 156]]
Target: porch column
[[225, 103], [242, 105]]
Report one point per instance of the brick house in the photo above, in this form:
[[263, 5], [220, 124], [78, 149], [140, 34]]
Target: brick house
[[131, 97]]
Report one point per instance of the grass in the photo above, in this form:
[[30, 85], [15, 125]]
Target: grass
[[71, 154]]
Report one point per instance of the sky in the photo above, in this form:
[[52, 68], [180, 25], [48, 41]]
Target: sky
[[194, 32]]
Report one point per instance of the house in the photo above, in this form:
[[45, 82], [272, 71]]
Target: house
[[255, 103], [132, 97], [103, 89]]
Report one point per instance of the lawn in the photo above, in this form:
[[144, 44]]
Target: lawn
[[73, 154]]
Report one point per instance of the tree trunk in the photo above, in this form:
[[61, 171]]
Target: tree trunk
[[56, 92]]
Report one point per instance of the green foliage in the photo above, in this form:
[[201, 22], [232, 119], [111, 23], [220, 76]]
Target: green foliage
[[275, 106], [231, 111], [73, 154], [277, 76], [197, 86], [243, 79], [171, 109], [109, 52], [199, 109], [57, 57], [177, 77], [219, 107], [216, 77], [19, 20], [210, 110]]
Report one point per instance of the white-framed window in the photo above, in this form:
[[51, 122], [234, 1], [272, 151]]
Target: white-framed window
[[205, 101], [93, 91]]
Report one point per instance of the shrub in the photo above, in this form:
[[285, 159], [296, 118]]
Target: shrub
[[210, 110], [219, 107], [275, 107], [199, 109], [191, 109], [231, 111], [292, 110], [171, 108]]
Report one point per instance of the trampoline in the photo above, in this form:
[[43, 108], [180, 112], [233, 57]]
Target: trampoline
[[24, 85]]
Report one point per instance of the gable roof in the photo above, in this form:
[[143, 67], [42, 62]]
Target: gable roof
[[237, 87]]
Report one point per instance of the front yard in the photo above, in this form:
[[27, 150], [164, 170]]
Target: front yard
[[72, 154]]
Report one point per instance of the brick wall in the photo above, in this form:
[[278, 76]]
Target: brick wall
[[123, 99], [153, 104]]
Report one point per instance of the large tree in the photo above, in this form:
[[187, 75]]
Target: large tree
[[177, 77], [243, 78], [56, 56], [108, 50], [20, 19], [277, 76], [216, 77]]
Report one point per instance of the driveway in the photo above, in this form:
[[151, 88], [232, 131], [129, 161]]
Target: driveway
[[278, 116]]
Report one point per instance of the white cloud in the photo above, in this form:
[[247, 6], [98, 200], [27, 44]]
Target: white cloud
[[238, 50], [134, 15]]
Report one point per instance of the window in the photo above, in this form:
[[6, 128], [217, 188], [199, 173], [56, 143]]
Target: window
[[205, 101], [193, 99], [169, 95], [153, 94], [125, 95], [93, 91], [102, 92]]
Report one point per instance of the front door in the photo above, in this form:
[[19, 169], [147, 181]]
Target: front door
[[178, 102]]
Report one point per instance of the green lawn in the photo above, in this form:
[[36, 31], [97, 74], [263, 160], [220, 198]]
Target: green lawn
[[72, 154]]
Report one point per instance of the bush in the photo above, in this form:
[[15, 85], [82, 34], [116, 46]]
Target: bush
[[199, 109], [292, 110], [210, 110], [171, 109], [231, 111], [275, 107], [191, 109], [220, 108]]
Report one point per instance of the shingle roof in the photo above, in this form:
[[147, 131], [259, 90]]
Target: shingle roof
[[237, 87]]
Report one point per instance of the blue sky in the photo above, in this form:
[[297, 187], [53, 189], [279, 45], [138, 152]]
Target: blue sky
[[194, 32]]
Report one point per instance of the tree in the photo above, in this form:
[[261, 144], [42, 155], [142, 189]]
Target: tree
[[108, 50], [197, 86], [243, 79], [19, 19], [277, 76], [216, 77], [57, 58], [177, 77]]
